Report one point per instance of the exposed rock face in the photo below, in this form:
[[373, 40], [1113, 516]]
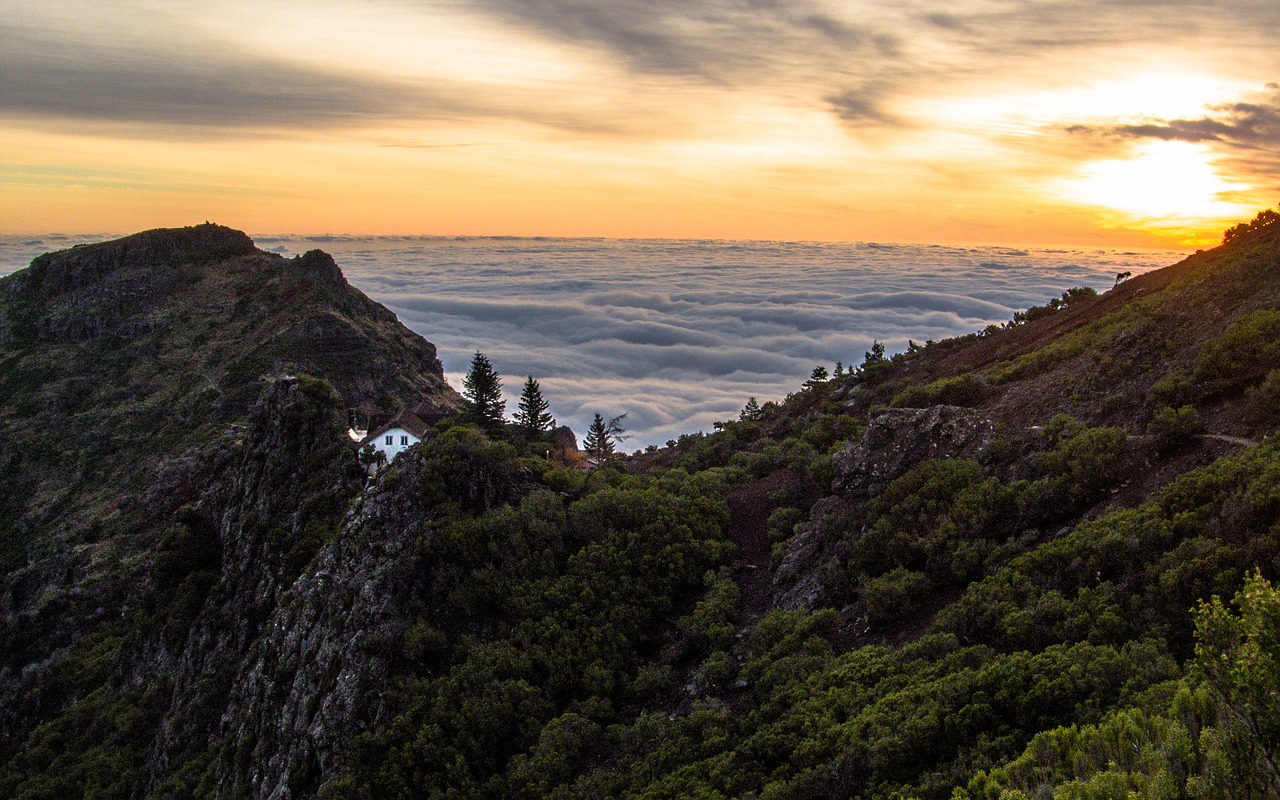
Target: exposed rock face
[[898, 439], [810, 565], [314, 679], [282, 670], [291, 470]]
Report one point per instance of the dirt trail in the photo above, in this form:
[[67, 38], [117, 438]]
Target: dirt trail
[[749, 510], [1239, 440]]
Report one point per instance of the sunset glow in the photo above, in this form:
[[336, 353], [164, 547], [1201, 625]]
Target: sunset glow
[[1084, 123], [1173, 181]]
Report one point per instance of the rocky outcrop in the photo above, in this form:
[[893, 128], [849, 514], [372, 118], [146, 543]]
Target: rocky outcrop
[[287, 662], [162, 249], [270, 515], [898, 439], [315, 679], [810, 566]]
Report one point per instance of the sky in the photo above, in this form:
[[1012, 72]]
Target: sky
[[1082, 122]]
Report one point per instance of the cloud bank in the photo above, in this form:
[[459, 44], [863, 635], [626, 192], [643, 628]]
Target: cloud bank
[[678, 334]]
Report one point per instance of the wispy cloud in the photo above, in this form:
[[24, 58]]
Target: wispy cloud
[[783, 118], [48, 73], [729, 42], [1249, 125]]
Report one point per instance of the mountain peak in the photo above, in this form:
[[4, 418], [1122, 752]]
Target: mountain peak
[[88, 263]]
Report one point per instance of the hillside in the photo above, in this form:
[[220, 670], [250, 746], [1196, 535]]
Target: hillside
[[131, 372], [973, 570]]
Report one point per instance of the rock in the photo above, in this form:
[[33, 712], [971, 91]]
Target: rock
[[898, 439], [806, 575]]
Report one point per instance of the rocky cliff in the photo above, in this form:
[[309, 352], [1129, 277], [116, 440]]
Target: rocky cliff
[[175, 457]]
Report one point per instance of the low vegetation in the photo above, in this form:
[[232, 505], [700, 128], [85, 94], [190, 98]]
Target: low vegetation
[[1079, 603]]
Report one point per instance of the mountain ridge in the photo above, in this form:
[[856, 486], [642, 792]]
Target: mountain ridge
[[894, 583], [129, 371]]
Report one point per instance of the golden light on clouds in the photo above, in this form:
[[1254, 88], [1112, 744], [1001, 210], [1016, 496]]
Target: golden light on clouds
[[1166, 183], [971, 121]]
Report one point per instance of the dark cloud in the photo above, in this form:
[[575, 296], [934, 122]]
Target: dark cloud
[[722, 41], [198, 87], [859, 64], [1243, 125], [48, 74], [857, 106]]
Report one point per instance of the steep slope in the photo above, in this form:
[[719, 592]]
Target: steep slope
[[158, 469], [117, 352]]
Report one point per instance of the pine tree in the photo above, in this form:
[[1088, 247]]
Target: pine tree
[[751, 411], [615, 431], [532, 413], [602, 436], [597, 441], [483, 389], [819, 376]]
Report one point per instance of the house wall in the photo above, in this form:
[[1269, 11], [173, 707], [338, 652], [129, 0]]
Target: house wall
[[399, 437]]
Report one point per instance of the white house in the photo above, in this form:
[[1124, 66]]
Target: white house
[[397, 434]]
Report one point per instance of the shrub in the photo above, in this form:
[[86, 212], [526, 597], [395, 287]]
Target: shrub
[[1264, 399], [893, 595], [961, 390], [1174, 390], [1244, 352], [1174, 427]]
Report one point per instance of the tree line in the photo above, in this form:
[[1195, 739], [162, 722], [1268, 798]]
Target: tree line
[[485, 406]]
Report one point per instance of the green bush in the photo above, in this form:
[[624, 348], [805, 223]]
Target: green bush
[[893, 595], [1263, 400], [1174, 390], [1244, 353], [1174, 427], [961, 390]]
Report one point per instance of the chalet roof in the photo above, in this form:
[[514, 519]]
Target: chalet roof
[[405, 420]]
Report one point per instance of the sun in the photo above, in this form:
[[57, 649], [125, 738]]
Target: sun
[[1161, 184]]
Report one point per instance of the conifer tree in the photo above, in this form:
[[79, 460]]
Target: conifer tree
[[751, 411], [818, 376], [532, 413], [597, 441], [602, 436], [483, 390]]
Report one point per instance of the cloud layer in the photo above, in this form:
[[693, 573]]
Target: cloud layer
[[679, 334]]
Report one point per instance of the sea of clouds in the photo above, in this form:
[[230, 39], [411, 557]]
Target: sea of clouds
[[678, 334]]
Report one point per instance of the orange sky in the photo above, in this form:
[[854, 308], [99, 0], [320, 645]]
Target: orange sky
[[1141, 124]]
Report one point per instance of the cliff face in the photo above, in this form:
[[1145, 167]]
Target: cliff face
[[173, 439], [283, 664]]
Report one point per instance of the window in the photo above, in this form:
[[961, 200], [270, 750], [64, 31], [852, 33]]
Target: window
[[404, 441], [391, 440]]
